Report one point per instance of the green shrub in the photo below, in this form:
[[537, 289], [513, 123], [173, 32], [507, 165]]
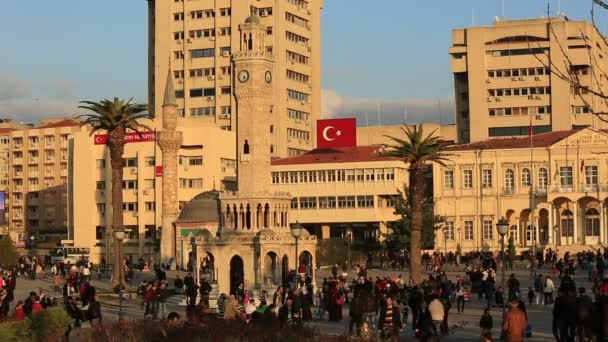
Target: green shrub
[[15, 331], [50, 323], [8, 252]]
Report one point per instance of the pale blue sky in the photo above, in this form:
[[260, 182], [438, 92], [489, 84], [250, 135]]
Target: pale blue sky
[[57, 52]]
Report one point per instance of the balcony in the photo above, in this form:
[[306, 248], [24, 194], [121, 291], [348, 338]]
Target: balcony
[[582, 188], [33, 160], [17, 161], [17, 188], [508, 190], [17, 174]]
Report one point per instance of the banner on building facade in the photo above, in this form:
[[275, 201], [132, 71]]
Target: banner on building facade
[[131, 137], [337, 133], [2, 208], [159, 170]]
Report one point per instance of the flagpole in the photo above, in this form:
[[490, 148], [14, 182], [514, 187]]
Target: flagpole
[[534, 236]]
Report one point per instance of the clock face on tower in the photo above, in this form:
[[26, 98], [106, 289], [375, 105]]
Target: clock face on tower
[[268, 77], [243, 76]]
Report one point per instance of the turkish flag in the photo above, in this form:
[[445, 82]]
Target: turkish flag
[[337, 133]]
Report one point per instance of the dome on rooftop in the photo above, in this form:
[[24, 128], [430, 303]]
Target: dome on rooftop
[[252, 19], [204, 207]]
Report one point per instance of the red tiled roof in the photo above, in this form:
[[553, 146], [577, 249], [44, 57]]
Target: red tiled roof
[[336, 155], [539, 140], [7, 130], [62, 123]]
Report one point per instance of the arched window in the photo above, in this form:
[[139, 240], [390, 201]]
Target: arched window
[[592, 222], [543, 178], [509, 180], [525, 177]]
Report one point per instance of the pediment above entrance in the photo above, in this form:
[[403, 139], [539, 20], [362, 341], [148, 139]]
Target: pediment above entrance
[[588, 137]]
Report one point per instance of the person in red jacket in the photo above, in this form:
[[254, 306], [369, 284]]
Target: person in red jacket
[[37, 306], [19, 312]]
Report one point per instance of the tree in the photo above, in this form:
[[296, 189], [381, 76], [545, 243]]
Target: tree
[[8, 252], [417, 151], [115, 117], [401, 228]]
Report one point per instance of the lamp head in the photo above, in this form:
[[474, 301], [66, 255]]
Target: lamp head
[[296, 230], [119, 233], [502, 226]]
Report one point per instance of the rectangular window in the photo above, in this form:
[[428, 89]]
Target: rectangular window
[[293, 57], [366, 201], [369, 175], [206, 72], [331, 175], [130, 162], [296, 95], [389, 174], [190, 183], [149, 161], [225, 51], [201, 92], [346, 201], [448, 179], [129, 206], [327, 202], [191, 160], [294, 203], [322, 176], [487, 230], [101, 208], [379, 174], [202, 53], [468, 230], [449, 230], [295, 38], [202, 111], [225, 12], [226, 91], [359, 175], [275, 177], [591, 175], [101, 185], [296, 20], [303, 177], [293, 177], [297, 115], [308, 202], [129, 184], [284, 177], [565, 176], [467, 179], [312, 176], [350, 175], [150, 206], [486, 178], [298, 77]]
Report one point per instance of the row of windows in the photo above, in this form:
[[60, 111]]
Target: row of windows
[[565, 178], [224, 12], [298, 134], [261, 12], [299, 3], [296, 95], [520, 91], [292, 18], [296, 38], [191, 160], [295, 152], [517, 130], [202, 111], [517, 52], [581, 110], [331, 202], [296, 114], [190, 183], [330, 176], [519, 111], [518, 72], [298, 77], [487, 231], [296, 58]]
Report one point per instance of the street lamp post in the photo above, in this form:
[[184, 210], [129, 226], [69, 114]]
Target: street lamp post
[[32, 238], [503, 227], [296, 231], [445, 241], [556, 230], [349, 238], [119, 235]]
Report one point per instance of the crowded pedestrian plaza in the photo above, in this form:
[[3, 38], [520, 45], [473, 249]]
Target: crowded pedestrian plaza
[[456, 302]]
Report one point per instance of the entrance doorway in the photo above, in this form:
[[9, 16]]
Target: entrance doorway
[[237, 274], [284, 269]]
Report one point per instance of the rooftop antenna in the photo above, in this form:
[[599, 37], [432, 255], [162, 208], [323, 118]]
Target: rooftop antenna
[[379, 106], [503, 8], [405, 114]]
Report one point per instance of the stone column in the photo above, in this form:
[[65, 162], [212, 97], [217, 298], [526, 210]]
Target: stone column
[[602, 223], [575, 223], [550, 236]]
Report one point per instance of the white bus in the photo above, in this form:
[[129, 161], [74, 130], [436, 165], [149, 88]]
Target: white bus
[[69, 254]]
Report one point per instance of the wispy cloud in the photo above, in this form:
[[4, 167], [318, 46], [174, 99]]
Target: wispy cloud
[[30, 101], [391, 111]]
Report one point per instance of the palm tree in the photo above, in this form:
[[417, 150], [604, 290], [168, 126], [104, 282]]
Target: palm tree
[[418, 151], [115, 117]]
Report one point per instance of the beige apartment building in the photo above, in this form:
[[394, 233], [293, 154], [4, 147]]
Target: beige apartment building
[[197, 39], [37, 178], [504, 81], [566, 171], [206, 161], [340, 191]]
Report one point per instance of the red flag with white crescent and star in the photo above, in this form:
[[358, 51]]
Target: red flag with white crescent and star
[[337, 133]]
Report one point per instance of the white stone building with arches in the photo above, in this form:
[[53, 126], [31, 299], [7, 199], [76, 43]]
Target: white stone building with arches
[[553, 194]]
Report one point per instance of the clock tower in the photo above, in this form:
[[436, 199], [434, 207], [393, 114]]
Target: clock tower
[[254, 92]]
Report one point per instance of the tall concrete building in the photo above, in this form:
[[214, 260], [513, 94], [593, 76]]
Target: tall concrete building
[[198, 37], [503, 78], [38, 177]]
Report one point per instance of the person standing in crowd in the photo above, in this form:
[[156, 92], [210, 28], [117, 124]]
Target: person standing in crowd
[[584, 319], [515, 322], [538, 289], [386, 319], [205, 290], [437, 312], [163, 296], [231, 308]]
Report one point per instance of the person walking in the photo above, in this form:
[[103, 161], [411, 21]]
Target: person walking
[[437, 312], [515, 322], [538, 289], [548, 290], [163, 295], [231, 308], [460, 298], [486, 323]]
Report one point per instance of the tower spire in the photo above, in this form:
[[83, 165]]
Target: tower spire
[[169, 99]]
